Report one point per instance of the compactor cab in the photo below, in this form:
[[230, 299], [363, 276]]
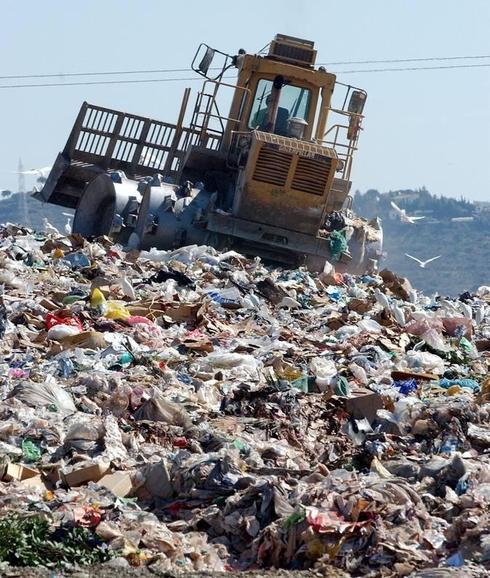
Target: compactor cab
[[265, 178]]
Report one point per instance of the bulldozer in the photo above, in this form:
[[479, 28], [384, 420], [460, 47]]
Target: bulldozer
[[271, 178]]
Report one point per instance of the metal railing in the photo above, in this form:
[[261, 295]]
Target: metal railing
[[206, 109], [345, 144], [135, 144]]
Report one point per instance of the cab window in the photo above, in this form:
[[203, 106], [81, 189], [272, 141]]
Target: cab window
[[294, 102]]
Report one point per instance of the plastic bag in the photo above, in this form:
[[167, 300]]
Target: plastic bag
[[370, 326], [138, 320], [424, 324], [324, 371], [435, 340], [228, 297], [458, 326], [62, 317], [343, 333], [231, 360], [116, 310], [406, 386], [359, 373], [30, 451], [115, 448], [59, 332], [44, 394], [83, 434], [160, 409], [77, 260], [98, 301], [425, 361]]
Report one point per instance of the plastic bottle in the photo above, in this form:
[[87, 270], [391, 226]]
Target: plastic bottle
[[65, 367]]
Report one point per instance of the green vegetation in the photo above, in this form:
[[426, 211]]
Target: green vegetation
[[372, 203], [29, 541]]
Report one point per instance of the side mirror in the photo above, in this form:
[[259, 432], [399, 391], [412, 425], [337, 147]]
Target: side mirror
[[206, 60], [357, 102], [205, 56], [202, 59]]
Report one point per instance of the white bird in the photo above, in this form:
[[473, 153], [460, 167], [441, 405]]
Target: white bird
[[381, 298], [403, 214], [466, 310], [68, 223], [49, 228], [127, 288], [398, 314], [448, 305], [480, 314], [422, 263]]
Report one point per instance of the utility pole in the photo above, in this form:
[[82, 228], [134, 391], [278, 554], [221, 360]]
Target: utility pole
[[21, 191]]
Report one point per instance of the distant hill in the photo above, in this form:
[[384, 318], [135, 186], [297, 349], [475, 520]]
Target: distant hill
[[464, 249], [21, 208], [456, 229]]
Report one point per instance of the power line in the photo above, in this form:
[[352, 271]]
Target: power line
[[104, 82], [173, 70], [411, 68], [403, 60], [102, 73], [190, 79]]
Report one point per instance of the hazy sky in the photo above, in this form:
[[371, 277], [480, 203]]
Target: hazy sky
[[423, 128]]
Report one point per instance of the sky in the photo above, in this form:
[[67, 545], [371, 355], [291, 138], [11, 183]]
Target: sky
[[423, 128]]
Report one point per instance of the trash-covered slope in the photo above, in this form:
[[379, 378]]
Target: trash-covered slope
[[196, 410]]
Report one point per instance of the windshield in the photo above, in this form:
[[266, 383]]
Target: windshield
[[294, 102]]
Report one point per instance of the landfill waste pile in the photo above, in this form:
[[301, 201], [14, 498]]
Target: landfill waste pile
[[201, 411]]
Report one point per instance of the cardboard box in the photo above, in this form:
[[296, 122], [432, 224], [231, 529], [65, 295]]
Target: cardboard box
[[18, 472], [363, 403], [34, 482], [119, 483], [91, 473]]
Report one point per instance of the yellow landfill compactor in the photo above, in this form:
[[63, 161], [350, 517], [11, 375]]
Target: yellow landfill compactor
[[270, 178]]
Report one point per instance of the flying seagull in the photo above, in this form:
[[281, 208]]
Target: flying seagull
[[403, 214], [422, 263]]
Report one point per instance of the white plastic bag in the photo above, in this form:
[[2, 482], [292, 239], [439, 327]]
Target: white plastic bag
[[59, 332], [42, 394], [324, 371], [425, 361]]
